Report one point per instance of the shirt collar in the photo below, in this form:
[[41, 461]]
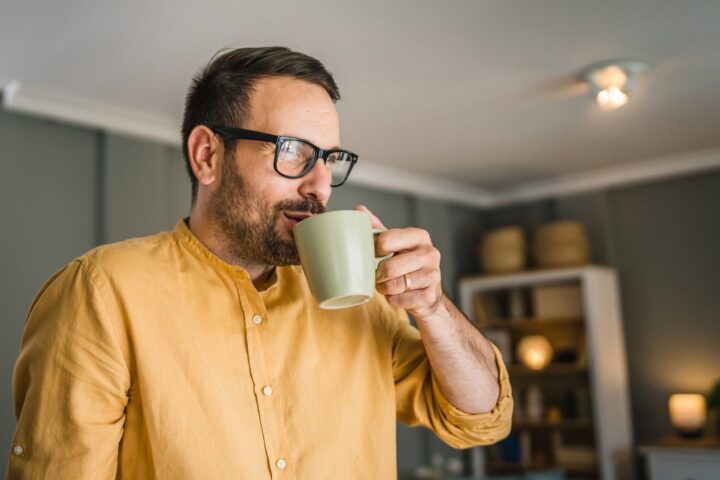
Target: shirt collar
[[184, 235]]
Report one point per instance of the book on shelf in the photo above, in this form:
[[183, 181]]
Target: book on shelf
[[557, 301]]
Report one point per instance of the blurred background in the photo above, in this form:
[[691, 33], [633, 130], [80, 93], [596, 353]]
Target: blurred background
[[469, 118]]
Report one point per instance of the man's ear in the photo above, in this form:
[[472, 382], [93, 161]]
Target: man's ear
[[204, 152]]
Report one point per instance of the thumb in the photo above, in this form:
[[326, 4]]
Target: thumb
[[375, 221]]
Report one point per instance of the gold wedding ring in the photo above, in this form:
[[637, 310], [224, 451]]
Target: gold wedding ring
[[408, 286]]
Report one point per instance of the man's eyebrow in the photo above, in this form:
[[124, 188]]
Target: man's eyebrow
[[336, 147], [326, 149]]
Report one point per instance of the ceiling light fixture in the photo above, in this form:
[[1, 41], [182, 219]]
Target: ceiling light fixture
[[612, 81]]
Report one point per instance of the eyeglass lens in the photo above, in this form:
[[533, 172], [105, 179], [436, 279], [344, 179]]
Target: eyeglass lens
[[295, 156]]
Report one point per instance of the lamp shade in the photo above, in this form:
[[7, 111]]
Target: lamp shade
[[687, 413], [535, 352]]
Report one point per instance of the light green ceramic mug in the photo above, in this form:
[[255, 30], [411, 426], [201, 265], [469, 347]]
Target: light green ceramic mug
[[337, 252]]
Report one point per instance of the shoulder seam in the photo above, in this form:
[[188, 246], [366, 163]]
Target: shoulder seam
[[84, 261]]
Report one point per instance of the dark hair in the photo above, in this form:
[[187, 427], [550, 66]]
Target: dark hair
[[220, 91]]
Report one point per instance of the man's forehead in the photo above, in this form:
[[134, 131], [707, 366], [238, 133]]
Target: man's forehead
[[288, 106]]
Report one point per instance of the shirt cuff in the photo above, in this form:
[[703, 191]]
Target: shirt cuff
[[499, 416]]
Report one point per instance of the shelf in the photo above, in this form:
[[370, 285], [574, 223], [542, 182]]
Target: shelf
[[564, 424], [589, 346], [554, 369], [533, 324], [499, 467], [532, 277]]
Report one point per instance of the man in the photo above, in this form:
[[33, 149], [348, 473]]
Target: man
[[200, 354]]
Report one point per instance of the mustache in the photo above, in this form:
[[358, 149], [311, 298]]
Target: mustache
[[309, 205]]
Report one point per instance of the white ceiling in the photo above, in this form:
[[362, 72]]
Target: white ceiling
[[469, 91]]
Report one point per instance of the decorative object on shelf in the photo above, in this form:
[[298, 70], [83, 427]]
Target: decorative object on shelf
[[554, 414], [561, 244], [535, 352], [534, 406], [557, 301], [503, 250], [688, 414], [566, 355]]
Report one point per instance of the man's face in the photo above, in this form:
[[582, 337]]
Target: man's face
[[253, 205]]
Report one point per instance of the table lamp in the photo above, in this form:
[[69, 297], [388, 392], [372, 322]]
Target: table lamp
[[535, 352], [688, 414]]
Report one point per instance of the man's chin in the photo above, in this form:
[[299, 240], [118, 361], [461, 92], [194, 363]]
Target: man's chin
[[285, 254], [285, 260]]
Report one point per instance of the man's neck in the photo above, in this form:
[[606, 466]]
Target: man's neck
[[213, 241]]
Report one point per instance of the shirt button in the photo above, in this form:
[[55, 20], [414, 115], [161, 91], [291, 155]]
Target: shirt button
[[267, 390], [257, 319], [281, 464], [18, 450]]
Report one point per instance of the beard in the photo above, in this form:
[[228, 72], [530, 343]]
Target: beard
[[250, 224]]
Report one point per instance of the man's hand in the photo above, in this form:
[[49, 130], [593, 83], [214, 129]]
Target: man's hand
[[410, 279]]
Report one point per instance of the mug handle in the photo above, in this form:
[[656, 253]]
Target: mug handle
[[377, 231]]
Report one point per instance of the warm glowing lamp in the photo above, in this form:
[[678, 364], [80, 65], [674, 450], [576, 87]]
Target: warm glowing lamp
[[612, 80], [611, 97], [535, 352], [688, 414]]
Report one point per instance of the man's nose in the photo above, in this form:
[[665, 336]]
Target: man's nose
[[317, 182]]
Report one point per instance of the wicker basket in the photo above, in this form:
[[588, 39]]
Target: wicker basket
[[561, 244], [503, 250]]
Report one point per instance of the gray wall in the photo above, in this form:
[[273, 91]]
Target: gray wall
[[68, 189], [48, 214], [664, 239]]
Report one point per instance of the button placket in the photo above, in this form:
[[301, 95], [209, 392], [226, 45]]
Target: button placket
[[259, 338]]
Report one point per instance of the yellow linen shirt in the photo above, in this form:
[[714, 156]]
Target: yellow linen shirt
[[152, 358]]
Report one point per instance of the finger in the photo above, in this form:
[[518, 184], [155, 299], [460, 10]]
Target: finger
[[375, 221], [397, 239], [415, 299], [417, 280], [404, 262]]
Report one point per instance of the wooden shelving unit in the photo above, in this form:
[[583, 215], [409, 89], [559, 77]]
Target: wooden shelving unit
[[589, 433]]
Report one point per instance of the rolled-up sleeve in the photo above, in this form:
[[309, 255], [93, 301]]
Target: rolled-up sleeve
[[420, 402], [70, 382]]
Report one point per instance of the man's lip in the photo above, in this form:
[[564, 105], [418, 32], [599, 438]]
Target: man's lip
[[298, 216]]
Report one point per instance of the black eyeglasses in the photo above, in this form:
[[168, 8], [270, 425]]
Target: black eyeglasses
[[295, 157]]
